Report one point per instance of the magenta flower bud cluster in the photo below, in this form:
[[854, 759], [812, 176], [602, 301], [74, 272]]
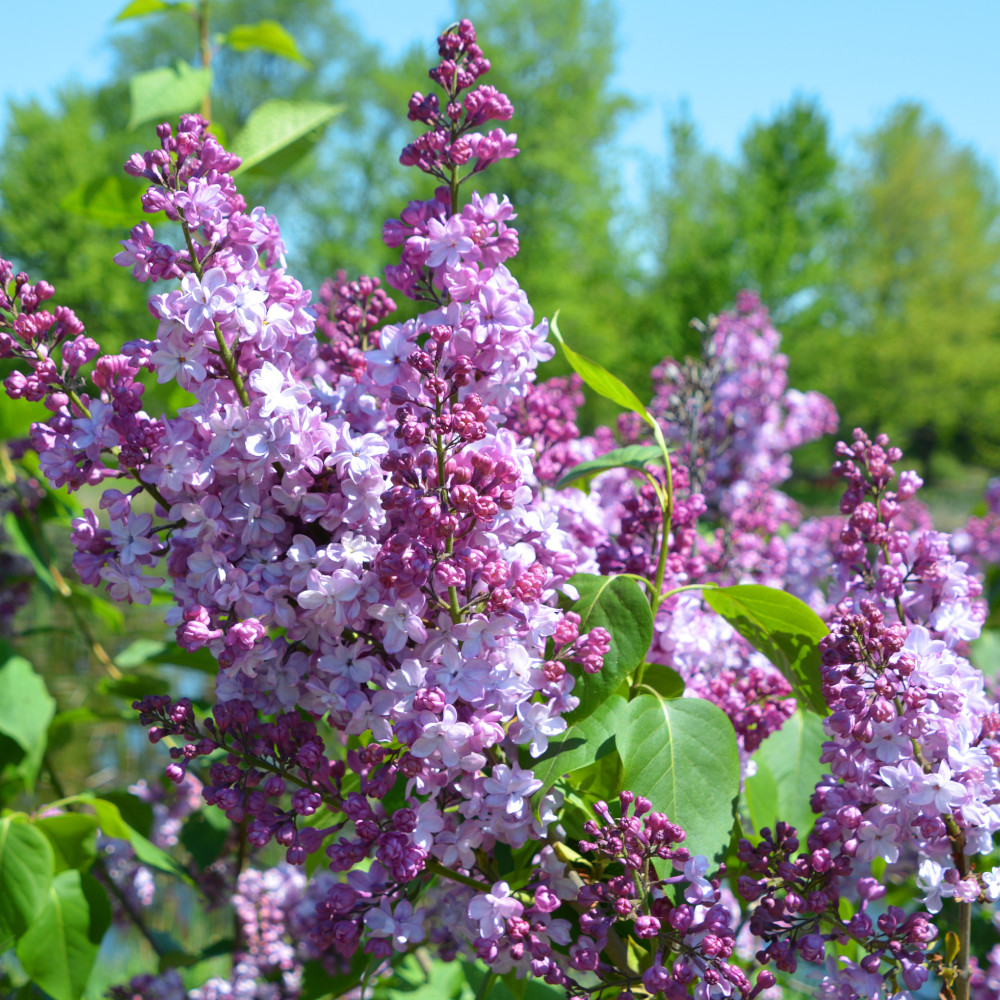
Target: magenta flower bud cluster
[[450, 141], [680, 917]]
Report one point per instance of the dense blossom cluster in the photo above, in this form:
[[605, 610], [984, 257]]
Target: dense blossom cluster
[[690, 922], [734, 421], [360, 521], [913, 747]]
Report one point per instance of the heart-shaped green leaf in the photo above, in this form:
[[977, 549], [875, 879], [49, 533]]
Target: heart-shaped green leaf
[[584, 742], [682, 755], [617, 604], [59, 948], [783, 628], [787, 762], [26, 866]]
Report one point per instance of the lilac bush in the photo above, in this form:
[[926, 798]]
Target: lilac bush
[[449, 629]]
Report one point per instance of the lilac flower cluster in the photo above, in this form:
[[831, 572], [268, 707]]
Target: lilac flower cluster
[[450, 141], [546, 417], [680, 917], [20, 497], [913, 747], [735, 422], [275, 910], [348, 314], [348, 527], [797, 897], [979, 541]]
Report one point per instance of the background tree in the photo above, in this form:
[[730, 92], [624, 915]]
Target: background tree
[[558, 60], [769, 221], [916, 344]]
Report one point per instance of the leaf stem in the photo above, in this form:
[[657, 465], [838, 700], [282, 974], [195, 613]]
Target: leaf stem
[[436, 868], [206, 54]]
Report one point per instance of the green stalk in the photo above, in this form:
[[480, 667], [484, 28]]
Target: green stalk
[[205, 44]]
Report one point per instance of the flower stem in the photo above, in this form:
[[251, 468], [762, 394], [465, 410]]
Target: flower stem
[[436, 868], [963, 985]]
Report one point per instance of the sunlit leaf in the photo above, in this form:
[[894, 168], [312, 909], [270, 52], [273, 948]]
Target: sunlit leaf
[[59, 948], [26, 709], [277, 124], [783, 628], [584, 742], [633, 456], [26, 868], [160, 94], [615, 603], [267, 36], [683, 756]]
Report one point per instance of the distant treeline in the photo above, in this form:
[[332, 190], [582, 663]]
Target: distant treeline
[[882, 270]]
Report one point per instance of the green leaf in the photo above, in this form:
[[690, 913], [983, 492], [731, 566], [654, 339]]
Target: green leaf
[[411, 981], [268, 36], [132, 687], [783, 628], [617, 604], [318, 983], [26, 709], [59, 948], [789, 759], [73, 837], [663, 680], [984, 652], [682, 755], [113, 202], [138, 813], [508, 988], [141, 651], [633, 456], [218, 949], [23, 543], [26, 866], [174, 656], [109, 614], [277, 124], [204, 834], [158, 94], [584, 742], [598, 378], [109, 819], [171, 952], [140, 8], [953, 945]]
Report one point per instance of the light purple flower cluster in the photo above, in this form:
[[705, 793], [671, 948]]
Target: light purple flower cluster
[[735, 422], [20, 497], [348, 527], [275, 910], [978, 543], [913, 747], [546, 417]]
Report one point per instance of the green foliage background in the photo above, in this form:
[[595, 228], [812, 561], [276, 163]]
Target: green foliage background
[[882, 267]]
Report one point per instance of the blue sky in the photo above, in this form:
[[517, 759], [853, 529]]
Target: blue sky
[[731, 60]]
